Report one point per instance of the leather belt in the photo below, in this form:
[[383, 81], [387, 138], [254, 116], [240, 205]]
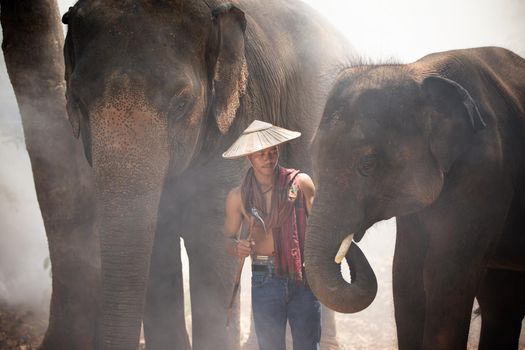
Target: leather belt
[[262, 268], [263, 263]]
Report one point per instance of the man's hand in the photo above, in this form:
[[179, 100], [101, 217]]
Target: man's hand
[[243, 248]]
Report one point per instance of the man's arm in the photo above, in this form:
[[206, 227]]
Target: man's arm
[[232, 224], [308, 188]]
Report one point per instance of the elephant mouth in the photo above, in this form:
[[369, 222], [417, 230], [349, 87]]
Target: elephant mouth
[[360, 233], [345, 244]]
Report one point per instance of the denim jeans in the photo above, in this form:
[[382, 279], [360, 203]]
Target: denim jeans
[[275, 300]]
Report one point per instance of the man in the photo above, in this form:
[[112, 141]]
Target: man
[[273, 202]]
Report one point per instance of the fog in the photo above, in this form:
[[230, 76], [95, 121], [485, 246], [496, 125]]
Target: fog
[[381, 30], [24, 266]]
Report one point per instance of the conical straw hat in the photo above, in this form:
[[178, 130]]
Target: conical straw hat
[[258, 136]]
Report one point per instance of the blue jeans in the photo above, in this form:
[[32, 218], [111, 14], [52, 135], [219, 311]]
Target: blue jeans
[[275, 300]]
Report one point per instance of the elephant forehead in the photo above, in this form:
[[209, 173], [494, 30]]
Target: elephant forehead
[[116, 8], [375, 104], [140, 25]]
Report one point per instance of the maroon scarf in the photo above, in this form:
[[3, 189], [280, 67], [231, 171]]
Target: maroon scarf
[[287, 218]]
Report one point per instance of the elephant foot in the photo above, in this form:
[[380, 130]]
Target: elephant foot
[[250, 345], [330, 345], [329, 332]]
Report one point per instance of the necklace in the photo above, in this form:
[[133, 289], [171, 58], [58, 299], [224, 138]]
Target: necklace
[[267, 190]]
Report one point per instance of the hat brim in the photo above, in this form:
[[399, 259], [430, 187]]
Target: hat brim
[[256, 141]]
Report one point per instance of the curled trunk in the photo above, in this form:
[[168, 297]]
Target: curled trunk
[[324, 275]]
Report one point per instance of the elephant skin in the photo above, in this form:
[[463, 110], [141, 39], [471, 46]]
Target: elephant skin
[[438, 144], [62, 178], [157, 90]]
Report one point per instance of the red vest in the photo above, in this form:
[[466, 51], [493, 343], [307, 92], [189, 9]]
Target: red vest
[[287, 218]]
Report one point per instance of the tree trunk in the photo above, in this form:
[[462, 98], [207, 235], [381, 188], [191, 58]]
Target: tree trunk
[[32, 46]]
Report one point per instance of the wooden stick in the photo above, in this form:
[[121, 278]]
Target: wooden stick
[[235, 290], [255, 213]]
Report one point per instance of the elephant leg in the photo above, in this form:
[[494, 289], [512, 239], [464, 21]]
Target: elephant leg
[[164, 321], [454, 267], [409, 295], [461, 237], [76, 289], [62, 178], [450, 291], [502, 300], [212, 274], [329, 333]]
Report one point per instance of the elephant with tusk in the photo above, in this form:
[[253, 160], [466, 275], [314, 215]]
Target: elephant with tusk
[[438, 144]]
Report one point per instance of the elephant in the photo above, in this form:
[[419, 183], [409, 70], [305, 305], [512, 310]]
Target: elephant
[[438, 144], [156, 91]]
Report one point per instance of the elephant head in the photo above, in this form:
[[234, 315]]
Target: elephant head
[[147, 83], [387, 137]]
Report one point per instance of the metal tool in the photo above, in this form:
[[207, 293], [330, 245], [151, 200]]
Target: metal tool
[[255, 213]]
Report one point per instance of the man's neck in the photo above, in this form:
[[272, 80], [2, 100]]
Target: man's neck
[[264, 180]]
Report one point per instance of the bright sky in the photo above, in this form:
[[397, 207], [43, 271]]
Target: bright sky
[[408, 29]]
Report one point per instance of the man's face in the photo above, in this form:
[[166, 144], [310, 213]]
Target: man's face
[[265, 161]]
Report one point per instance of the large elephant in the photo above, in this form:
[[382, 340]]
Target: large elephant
[[438, 144], [157, 90]]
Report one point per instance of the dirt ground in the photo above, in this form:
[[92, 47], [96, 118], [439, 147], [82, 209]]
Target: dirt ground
[[371, 329], [19, 329]]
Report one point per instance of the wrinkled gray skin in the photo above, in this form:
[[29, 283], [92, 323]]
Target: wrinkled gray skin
[[439, 144], [157, 90]]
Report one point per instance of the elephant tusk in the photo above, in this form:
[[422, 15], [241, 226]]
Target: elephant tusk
[[343, 249]]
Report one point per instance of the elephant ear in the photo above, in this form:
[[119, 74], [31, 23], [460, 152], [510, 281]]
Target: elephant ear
[[69, 55], [229, 71], [455, 122], [76, 113]]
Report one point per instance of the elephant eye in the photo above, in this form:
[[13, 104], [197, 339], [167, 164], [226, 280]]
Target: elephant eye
[[179, 107], [335, 117], [367, 164]]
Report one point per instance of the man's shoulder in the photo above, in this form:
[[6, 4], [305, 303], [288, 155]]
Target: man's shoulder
[[234, 199], [305, 184], [235, 193], [303, 179], [234, 202]]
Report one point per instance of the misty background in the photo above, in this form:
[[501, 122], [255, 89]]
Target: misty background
[[402, 30]]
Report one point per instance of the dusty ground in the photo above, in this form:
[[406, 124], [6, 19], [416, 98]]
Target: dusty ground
[[20, 330], [371, 329]]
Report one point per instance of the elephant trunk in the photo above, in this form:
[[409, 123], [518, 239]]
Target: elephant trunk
[[324, 275], [130, 165], [126, 239]]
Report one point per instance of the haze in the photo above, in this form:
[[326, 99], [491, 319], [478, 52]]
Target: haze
[[401, 30]]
